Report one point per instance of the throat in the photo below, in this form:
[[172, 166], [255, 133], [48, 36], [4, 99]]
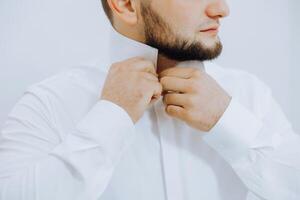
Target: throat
[[164, 62]]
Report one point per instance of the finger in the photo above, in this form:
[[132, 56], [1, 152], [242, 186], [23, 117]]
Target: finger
[[174, 84], [143, 65], [164, 92], [176, 111], [153, 100], [179, 72], [149, 76], [175, 99], [155, 91]]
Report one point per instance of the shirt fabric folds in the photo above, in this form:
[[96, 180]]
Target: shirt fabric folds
[[62, 142]]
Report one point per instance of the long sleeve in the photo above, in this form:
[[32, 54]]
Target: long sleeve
[[261, 147], [37, 161]]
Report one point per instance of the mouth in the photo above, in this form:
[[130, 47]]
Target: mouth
[[211, 30]]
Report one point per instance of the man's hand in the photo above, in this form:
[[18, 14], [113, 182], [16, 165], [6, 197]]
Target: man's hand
[[193, 96], [132, 84]]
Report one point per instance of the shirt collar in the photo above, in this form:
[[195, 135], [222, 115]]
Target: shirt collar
[[122, 48]]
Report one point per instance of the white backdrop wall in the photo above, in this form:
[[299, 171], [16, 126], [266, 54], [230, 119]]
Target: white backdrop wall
[[257, 38], [40, 38], [295, 71]]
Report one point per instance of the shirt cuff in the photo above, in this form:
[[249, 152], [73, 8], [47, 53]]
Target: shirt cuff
[[234, 133], [109, 125]]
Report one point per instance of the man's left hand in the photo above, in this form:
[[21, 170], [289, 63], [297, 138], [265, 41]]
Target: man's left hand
[[193, 96]]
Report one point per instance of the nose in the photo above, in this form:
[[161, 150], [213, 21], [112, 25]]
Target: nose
[[217, 9]]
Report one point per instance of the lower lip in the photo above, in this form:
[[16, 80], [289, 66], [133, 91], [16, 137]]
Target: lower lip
[[211, 31]]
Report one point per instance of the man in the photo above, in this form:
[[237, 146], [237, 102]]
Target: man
[[162, 123]]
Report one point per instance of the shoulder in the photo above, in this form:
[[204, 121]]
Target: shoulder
[[240, 79], [68, 95], [70, 81], [49, 110], [244, 86]]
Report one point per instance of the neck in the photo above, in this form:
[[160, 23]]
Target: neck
[[164, 62]]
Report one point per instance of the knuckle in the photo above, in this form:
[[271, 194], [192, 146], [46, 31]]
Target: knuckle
[[144, 75], [197, 73], [139, 94], [114, 66], [141, 81], [150, 66], [119, 66], [193, 85], [190, 100], [150, 76], [167, 98], [163, 80], [206, 127], [148, 62]]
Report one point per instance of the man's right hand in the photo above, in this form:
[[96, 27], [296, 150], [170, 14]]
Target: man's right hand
[[132, 84]]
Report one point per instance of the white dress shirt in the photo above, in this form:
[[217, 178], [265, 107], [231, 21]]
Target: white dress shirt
[[60, 142]]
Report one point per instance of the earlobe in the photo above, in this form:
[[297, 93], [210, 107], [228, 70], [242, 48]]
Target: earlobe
[[124, 10]]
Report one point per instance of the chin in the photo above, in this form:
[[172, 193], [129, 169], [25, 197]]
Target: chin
[[211, 43]]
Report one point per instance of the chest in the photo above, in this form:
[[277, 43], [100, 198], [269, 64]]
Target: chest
[[169, 160]]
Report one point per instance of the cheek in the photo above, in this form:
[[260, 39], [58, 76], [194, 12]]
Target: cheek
[[184, 16]]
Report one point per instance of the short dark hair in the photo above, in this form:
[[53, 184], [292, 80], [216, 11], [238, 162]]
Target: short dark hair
[[107, 10]]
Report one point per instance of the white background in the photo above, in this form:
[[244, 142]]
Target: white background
[[40, 38]]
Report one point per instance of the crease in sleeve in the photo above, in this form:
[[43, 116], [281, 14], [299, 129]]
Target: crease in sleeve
[[110, 126], [234, 133]]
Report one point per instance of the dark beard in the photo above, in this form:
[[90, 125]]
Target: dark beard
[[159, 35]]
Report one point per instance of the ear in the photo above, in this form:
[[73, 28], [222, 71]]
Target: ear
[[126, 10]]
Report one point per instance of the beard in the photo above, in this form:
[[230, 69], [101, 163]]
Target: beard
[[158, 34]]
